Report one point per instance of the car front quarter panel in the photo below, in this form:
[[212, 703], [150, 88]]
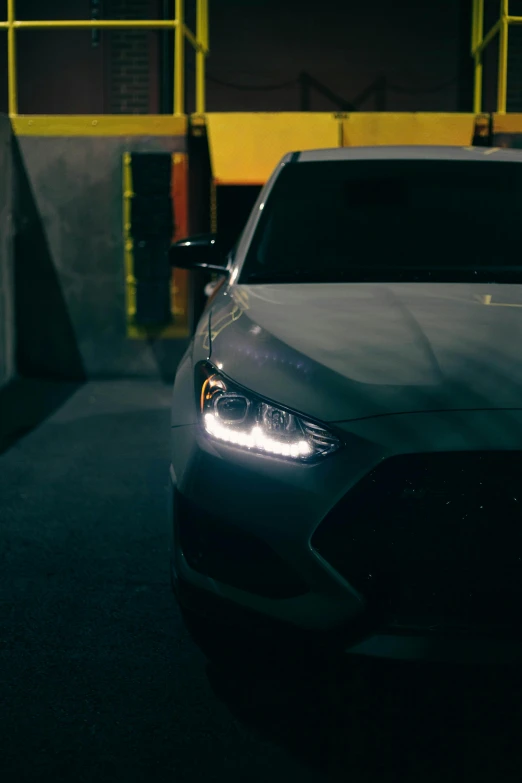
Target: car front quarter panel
[[184, 409]]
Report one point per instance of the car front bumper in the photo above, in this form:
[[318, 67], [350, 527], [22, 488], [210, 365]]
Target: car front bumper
[[271, 517]]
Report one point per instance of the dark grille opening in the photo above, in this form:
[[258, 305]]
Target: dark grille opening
[[220, 551], [434, 539]]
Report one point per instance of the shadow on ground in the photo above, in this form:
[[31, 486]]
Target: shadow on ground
[[388, 721], [26, 402], [99, 680]]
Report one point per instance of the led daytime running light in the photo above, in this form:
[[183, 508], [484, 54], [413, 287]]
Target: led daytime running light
[[255, 439]]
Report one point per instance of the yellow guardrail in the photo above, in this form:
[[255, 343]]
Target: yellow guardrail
[[479, 41], [199, 41], [179, 328]]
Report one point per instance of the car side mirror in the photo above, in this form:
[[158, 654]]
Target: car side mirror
[[202, 251]]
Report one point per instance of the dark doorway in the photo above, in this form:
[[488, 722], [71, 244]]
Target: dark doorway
[[234, 205]]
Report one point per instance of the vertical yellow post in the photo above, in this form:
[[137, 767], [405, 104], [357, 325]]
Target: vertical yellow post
[[179, 59], [503, 57], [477, 37], [11, 59], [213, 207], [128, 244], [201, 53]]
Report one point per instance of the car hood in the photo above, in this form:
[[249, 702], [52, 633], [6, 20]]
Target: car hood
[[339, 352]]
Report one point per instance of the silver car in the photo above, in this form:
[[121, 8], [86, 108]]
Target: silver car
[[346, 442]]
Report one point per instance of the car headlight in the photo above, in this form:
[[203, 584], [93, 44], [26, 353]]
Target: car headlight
[[238, 417]]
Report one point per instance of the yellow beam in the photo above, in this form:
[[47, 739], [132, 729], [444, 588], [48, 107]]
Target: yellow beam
[[475, 21], [128, 245], [193, 39], [245, 147], [11, 60], [107, 24], [179, 59], [362, 129], [181, 31], [488, 37], [202, 37], [503, 58], [509, 123], [189, 35], [514, 19], [478, 24], [477, 35], [103, 125]]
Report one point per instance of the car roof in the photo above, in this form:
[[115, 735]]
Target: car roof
[[410, 152]]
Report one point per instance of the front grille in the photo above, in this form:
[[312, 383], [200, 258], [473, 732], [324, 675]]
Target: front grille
[[221, 551], [434, 539]]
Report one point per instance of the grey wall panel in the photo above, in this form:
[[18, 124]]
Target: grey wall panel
[[69, 251], [7, 320]]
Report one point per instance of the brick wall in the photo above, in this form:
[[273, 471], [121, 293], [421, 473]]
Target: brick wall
[[132, 60]]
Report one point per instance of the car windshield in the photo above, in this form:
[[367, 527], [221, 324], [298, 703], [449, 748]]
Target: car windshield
[[390, 221]]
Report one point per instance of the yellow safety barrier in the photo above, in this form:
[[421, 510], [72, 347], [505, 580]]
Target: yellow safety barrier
[[506, 130], [181, 32], [479, 41], [103, 125], [369, 129], [246, 147]]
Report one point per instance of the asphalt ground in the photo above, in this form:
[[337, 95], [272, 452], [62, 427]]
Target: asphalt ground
[[99, 680]]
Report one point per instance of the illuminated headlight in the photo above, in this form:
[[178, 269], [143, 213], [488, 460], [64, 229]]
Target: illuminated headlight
[[235, 416]]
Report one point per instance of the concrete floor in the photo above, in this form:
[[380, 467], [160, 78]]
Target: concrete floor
[[99, 681]]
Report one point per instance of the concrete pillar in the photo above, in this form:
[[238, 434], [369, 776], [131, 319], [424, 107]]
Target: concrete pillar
[[7, 317]]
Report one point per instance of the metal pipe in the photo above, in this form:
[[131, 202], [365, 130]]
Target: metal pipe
[[179, 59], [474, 19], [477, 33], [166, 68], [199, 41], [489, 36], [130, 280], [108, 24], [11, 60], [189, 35], [503, 57], [202, 41]]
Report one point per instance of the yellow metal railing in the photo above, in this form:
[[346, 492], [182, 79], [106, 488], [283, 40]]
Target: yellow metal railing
[[479, 41], [179, 327], [181, 32]]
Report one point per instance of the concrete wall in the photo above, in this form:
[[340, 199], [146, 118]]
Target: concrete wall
[[70, 282], [7, 327]]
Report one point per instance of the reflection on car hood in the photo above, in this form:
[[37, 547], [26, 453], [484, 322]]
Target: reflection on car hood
[[346, 351]]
